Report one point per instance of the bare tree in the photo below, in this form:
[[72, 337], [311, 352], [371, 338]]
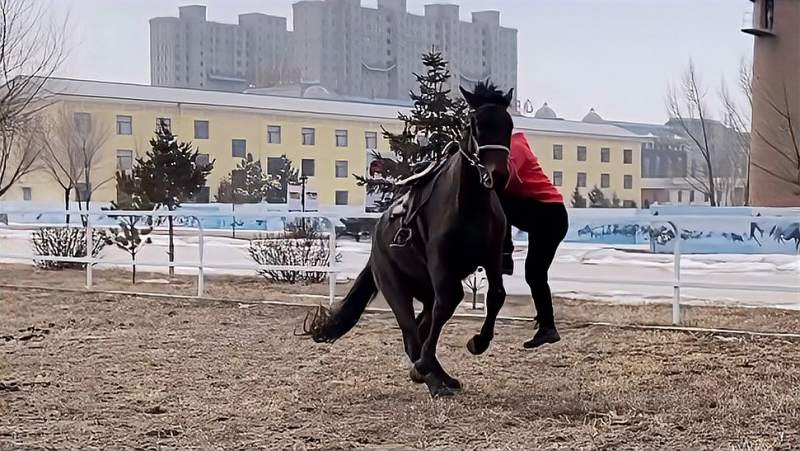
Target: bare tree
[[686, 106], [739, 119], [31, 49], [72, 150]]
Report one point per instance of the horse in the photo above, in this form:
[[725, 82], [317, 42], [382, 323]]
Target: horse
[[458, 225]]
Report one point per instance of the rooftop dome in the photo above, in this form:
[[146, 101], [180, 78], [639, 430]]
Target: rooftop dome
[[317, 92], [593, 117], [545, 112]]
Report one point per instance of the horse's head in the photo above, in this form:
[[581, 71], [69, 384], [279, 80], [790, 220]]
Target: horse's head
[[488, 137]]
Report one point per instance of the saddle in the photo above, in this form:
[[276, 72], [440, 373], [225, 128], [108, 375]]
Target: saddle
[[418, 188]]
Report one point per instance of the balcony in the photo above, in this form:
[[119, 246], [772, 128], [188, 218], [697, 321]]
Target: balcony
[[753, 25]]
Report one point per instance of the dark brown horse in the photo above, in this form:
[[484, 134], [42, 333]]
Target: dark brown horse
[[458, 225]]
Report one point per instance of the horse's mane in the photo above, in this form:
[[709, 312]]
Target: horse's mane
[[488, 93]]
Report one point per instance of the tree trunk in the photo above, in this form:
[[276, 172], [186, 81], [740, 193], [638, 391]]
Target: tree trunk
[[66, 203], [171, 251], [133, 278]]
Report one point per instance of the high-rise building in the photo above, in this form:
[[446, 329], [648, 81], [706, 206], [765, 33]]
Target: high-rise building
[[775, 152], [349, 50], [189, 51], [373, 53]]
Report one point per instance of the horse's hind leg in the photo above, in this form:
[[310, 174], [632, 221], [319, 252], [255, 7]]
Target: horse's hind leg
[[402, 304], [448, 295]]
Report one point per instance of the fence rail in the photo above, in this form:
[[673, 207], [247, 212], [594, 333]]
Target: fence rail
[[332, 269]]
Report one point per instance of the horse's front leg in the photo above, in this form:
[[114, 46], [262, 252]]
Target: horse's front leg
[[495, 298]]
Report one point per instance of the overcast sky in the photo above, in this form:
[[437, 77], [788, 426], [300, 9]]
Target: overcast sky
[[614, 55]]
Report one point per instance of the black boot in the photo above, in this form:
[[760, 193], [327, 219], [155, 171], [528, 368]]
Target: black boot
[[545, 334], [508, 264]]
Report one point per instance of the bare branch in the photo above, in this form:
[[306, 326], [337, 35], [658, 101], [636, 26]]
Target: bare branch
[[31, 50]]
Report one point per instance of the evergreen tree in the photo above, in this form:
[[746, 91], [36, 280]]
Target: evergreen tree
[[281, 178], [615, 201], [167, 176], [597, 199], [436, 117], [247, 184], [578, 201], [133, 231]]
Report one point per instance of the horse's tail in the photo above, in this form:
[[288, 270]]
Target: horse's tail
[[327, 326]]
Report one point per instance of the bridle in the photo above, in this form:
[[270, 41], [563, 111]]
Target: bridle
[[474, 157]]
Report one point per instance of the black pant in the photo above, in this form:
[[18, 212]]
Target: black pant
[[546, 224]]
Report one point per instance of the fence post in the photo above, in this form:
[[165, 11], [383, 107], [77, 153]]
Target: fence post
[[676, 288], [89, 250], [200, 270], [331, 263]]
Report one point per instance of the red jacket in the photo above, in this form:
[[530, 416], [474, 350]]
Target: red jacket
[[527, 179]]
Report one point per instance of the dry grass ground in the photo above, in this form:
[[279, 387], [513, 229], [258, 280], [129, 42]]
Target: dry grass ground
[[92, 370]]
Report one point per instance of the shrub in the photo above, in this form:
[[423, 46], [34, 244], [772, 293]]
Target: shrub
[[65, 242], [298, 247]]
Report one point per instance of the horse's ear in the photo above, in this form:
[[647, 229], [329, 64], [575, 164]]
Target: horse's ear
[[509, 96], [472, 101]]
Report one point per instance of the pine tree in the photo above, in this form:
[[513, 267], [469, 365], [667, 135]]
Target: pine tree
[[167, 176], [578, 201], [281, 179], [597, 199], [133, 231], [436, 116], [247, 184], [615, 201]]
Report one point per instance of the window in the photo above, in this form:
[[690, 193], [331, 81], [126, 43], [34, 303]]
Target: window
[[238, 148], [605, 180], [82, 122], [581, 153], [342, 197], [691, 196], [124, 160], [200, 129], [308, 136], [558, 178], [769, 14], [371, 139], [627, 156], [341, 138], [164, 123], [124, 125], [558, 152], [680, 196], [307, 167], [202, 159], [628, 182], [605, 155], [341, 169], [273, 134], [27, 194], [581, 180], [274, 165]]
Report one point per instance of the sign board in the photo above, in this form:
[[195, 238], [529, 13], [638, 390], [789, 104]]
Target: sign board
[[294, 201]]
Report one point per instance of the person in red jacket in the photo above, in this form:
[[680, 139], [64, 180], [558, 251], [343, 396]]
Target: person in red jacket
[[533, 204]]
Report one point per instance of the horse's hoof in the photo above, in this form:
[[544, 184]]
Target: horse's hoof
[[443, 391], [415, 376], [453, 384], [477, 345]]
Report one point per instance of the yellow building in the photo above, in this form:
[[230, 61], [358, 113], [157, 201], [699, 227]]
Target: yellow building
[[327, 140]]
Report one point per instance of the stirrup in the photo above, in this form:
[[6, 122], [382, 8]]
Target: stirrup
[[401, 238]]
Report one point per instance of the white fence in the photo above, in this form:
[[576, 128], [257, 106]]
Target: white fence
[[332, 270]]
